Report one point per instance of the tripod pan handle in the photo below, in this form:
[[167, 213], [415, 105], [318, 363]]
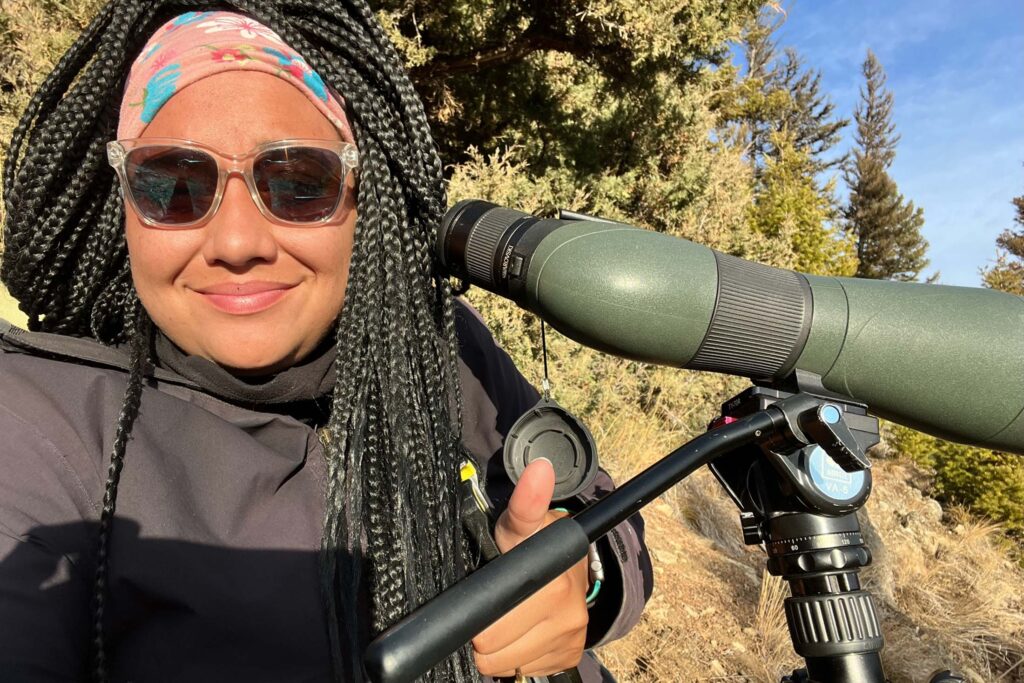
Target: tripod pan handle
[[423, 638]]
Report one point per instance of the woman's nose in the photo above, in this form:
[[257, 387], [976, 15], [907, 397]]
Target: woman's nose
[[239, 235]]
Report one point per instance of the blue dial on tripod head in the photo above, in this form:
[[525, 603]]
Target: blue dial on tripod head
[[830, 479]]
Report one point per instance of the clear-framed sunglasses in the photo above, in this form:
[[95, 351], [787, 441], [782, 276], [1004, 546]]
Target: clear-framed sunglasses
[[179, 184]]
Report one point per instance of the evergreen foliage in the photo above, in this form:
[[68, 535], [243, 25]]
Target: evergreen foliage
[[598, 87], [1007, 274], [777, 115], [781, 96], [792, 207], [886, 226], [990, 483]]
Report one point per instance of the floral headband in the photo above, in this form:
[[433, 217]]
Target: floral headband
[[195, 45]]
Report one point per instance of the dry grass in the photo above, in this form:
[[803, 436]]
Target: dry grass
[[954, 595]]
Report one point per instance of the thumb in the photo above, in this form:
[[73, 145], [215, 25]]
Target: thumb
[[528, 507]]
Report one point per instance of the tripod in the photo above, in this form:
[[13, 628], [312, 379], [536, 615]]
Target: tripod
[[794, 464]]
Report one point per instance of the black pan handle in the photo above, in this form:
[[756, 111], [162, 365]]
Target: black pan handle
[[431, 633]]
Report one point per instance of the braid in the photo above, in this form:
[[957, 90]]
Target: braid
[[140, 340], [64, 237], [392, 442]]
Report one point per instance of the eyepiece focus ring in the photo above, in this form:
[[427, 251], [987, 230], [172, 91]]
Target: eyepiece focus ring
[[482, 243]]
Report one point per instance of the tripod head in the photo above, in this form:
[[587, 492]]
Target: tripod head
[[798, 491]]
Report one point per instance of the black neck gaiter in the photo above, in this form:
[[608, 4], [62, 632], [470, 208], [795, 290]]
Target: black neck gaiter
[[302, 391]]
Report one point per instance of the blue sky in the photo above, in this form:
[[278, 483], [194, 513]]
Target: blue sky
[[956, 70]]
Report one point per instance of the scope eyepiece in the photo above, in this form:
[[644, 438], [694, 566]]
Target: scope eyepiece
[[484, 243]]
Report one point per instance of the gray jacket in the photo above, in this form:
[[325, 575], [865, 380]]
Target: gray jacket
[[213, 571]]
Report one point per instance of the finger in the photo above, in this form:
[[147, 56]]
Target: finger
[[555, 662], [541, 647], [536, 616], [528, 507], [523, 619]]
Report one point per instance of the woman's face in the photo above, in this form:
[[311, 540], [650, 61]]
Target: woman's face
[[235, 111]]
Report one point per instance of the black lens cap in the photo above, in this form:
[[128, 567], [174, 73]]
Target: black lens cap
[[548, 430]]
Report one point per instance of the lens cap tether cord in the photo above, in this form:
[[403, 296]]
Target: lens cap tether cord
[[550, 431], [547, 430]]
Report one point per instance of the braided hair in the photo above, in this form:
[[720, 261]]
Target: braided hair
[[392, 442]]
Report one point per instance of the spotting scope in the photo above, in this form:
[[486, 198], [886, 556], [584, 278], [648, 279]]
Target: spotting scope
[[945, 360]]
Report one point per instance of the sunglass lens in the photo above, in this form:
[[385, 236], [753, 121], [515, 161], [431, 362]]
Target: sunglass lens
[[171, 185], [300, 184]]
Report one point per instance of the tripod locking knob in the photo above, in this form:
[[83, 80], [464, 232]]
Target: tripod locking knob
[[826, 426], [751, 526]]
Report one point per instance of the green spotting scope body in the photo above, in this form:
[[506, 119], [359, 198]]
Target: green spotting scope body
[[945, 360]]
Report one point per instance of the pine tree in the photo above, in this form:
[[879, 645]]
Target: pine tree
[[780, 95], [886, 226], [1008, 272], [809, 119], [779, 117], [597, 87], [790, 205]]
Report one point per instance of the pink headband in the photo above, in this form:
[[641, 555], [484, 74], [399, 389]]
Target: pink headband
[[195, 45]]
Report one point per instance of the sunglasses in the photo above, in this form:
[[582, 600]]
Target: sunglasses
[[179, 184]]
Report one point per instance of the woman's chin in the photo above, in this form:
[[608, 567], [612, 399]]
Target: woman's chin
[[257, 369], [253, 364]]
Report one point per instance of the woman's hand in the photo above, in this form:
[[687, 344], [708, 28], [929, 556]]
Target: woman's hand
[[546, 633]]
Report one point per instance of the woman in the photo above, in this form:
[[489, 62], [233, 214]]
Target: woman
[[253, 361]]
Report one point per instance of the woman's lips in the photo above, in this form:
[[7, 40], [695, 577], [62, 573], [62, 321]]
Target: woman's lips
[[240, 304]]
